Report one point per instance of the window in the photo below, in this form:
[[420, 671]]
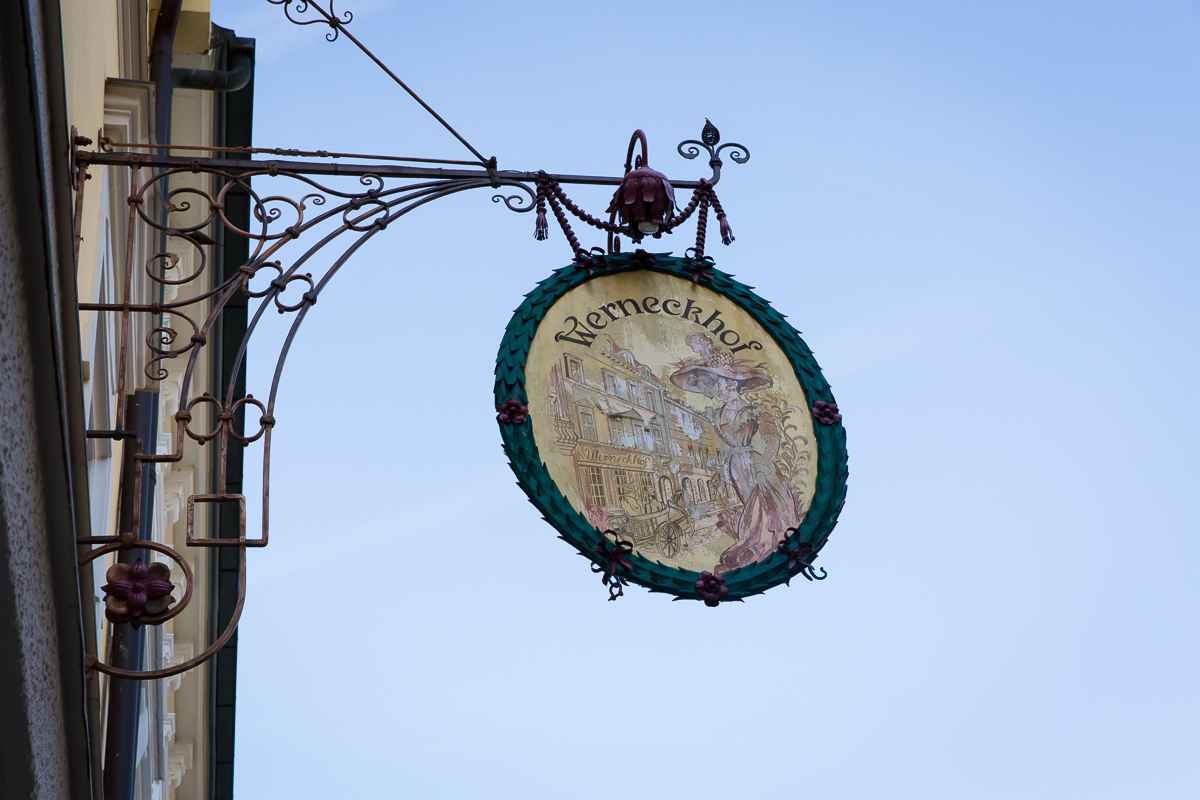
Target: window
[[624, 483], [660, 440], [622, 432], [616, 430], [587, 425], [614, 385], [574, 369], [687, 490], [595, 487]]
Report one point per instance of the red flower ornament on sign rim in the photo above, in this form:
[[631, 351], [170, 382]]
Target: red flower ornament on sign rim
[[711, 588], [826, 413], [512, 412]]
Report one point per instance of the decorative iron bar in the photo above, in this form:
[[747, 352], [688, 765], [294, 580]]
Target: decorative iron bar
[[290, 232]]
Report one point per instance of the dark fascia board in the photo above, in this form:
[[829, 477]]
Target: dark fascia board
[[234, 124]]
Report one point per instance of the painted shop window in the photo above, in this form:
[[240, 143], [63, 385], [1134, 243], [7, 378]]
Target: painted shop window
[[648, 490], [624, 483], [595, 487]]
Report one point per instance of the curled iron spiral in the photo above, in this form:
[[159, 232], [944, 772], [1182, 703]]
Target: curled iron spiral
[[160, 264], [520, 203], [331, 17], [161, 338]]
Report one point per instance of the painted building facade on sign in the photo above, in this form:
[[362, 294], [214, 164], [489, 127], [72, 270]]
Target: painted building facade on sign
[[638, 450]]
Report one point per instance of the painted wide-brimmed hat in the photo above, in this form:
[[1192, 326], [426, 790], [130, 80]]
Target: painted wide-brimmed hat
[[701, 376]]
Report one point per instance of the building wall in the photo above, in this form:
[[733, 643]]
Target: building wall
[[43, 721]]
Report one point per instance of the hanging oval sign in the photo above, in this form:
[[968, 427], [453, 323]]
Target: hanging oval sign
[[672, 426]]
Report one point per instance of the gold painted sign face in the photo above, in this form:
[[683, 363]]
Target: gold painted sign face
[[665, 413]]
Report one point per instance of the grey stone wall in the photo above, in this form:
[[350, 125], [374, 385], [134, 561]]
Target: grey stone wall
[[44, 741]]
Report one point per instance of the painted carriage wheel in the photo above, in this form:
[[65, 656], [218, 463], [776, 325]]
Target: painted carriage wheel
[[670, 539], [641, 386]]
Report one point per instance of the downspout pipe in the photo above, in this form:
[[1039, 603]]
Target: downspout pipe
[[128, 643], [236, 78], [162, 48]]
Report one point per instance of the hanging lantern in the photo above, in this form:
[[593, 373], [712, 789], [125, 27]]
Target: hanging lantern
[[645, 200]]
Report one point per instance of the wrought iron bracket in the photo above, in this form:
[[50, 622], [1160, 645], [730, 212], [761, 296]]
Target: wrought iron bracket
[[300, 236]]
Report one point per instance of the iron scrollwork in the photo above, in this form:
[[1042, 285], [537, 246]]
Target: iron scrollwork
[[299, 236], [294, 10]]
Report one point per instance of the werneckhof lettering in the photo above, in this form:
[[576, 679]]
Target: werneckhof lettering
[[583, 331]]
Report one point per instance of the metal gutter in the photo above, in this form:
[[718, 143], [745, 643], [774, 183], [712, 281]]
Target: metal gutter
[[128, 641]]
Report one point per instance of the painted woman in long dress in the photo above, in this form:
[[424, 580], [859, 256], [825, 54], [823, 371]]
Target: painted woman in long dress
[[752, 437]]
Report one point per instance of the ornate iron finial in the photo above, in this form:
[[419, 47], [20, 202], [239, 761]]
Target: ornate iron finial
[[709, 143]]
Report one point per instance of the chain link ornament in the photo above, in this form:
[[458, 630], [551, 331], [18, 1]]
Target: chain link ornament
[[644, 204]]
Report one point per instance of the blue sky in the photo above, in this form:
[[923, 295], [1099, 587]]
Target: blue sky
[[982, 217]]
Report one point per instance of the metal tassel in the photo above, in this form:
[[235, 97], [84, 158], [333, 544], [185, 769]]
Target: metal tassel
[[726, 231]]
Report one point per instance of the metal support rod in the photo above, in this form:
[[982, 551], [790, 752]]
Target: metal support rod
[[338, 24], [349, 170]]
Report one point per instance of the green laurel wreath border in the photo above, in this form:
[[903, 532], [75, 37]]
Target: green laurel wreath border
[[534, 478]]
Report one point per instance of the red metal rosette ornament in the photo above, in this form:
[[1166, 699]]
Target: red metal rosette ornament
[[645, 200], [137, 590]]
